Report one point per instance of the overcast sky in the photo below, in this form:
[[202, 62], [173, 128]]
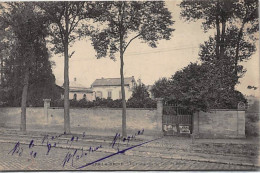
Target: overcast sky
[[149, 64]]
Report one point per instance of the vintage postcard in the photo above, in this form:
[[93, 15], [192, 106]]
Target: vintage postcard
[[129, 85]]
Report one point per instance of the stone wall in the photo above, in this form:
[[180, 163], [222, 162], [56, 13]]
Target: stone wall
[[219, 124], [94, 121]]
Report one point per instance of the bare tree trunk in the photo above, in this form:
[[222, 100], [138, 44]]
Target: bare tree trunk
[[66, 92], [123, 94], [2, 70], [24, 100], [66, 78], [218, 32], [218, 49], [222, 51], [122, 71]]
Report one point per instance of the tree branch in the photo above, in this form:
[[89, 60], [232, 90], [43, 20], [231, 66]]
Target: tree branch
[[73, 23], [73, 26], [73, 17], [62, 31], [130, 42]]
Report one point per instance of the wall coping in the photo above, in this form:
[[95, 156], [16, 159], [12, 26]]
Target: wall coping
[[20, 107], [227, 110], [80, 108], [100, 108], [118, 108]]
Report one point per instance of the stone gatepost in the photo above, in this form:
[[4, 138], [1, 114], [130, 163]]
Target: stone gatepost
[[159, 114], [46, 107]]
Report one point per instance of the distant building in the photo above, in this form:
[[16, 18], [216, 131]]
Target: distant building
[[78, 92], [111, 87], [60, 91]]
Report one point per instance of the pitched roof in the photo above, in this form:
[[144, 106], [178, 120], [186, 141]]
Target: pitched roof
[[112, 81], [77, 87]]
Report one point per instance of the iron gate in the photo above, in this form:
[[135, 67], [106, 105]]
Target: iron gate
[[176, 120]]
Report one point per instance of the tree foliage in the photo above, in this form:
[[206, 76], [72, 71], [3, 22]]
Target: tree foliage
[[66, 21], [140, 98], [149, 21], [140, 92], [161, 89], [196, 87]]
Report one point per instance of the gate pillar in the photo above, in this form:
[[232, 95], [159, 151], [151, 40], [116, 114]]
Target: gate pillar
[[159, 114], [46, 107]]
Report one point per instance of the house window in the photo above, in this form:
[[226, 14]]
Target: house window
[[84, 96], [120, 95], [99, 94], [109, 94], [75, 96]]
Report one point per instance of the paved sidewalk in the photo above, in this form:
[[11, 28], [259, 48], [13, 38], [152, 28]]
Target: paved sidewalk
[[54, 161], [167, 153]]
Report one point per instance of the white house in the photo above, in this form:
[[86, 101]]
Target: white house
[[111, 87], [78, 92]]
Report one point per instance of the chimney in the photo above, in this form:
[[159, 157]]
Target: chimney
[[75, 79], [133, 81]]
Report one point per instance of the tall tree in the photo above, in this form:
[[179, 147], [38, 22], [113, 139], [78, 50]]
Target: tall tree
[[127, 21], [232, 20], [28, 27], [66, 18], [2, 50]]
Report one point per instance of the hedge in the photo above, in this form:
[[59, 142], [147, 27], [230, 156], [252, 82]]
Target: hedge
[[107, 103]]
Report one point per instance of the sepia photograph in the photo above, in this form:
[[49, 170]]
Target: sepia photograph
[[129, 85]]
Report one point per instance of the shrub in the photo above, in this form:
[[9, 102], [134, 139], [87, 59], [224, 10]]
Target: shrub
[[74, 103], [115, 103], [150, 103], [57, 103], [136, 103]]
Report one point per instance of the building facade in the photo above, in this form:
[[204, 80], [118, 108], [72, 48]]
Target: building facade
[[78, 92], [110, 88]]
